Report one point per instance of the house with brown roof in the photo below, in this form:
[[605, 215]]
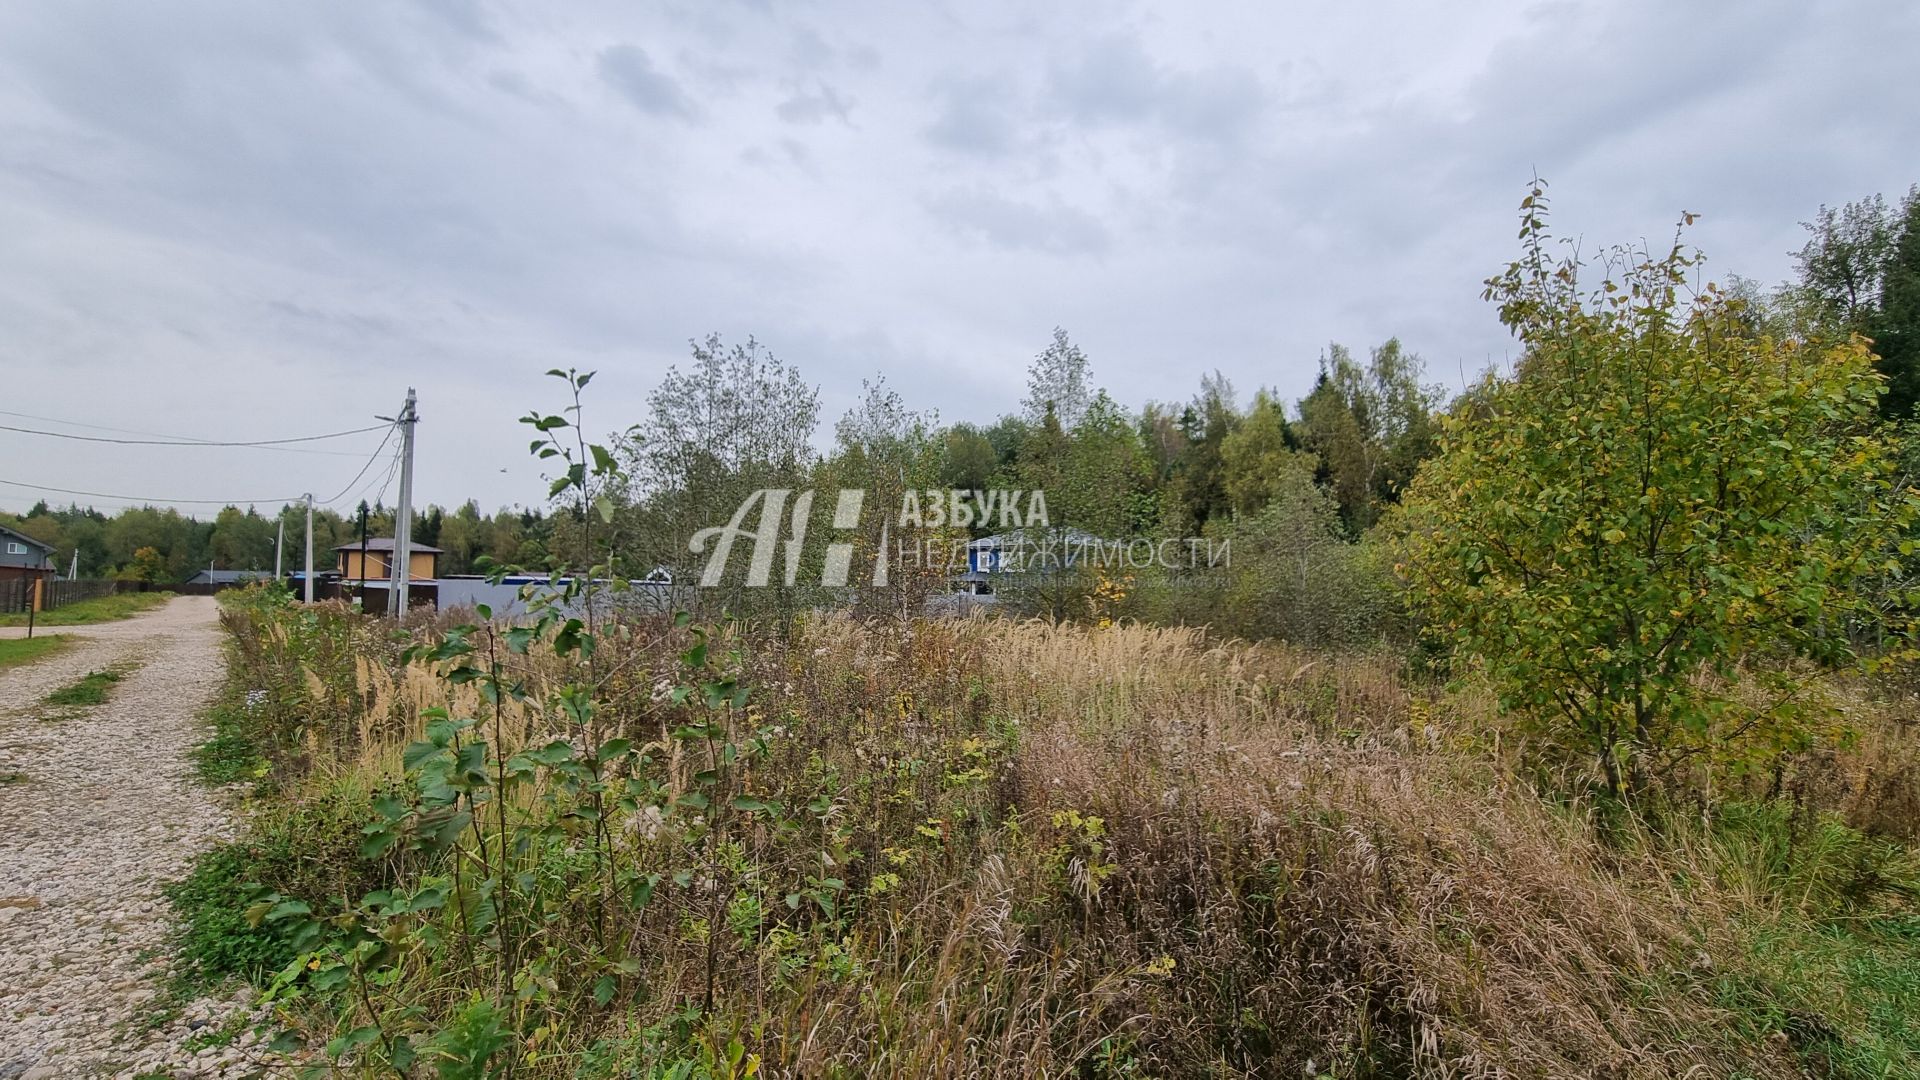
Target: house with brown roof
[[372, 560]]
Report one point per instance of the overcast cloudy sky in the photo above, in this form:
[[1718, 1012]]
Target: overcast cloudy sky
[[244, 220]]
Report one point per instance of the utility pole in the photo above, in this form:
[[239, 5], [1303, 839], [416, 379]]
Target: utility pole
[[73, 572], [308, 579], [360, 584], [279, 541], [403, 516]]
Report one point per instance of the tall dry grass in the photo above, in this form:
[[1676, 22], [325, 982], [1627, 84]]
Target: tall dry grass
[[1138, 851]]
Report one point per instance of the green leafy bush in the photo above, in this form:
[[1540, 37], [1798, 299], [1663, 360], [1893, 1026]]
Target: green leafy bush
[[1654, 497], [216, 941]]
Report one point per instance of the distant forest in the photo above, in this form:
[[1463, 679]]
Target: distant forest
[[163, 545], [1300, 487]]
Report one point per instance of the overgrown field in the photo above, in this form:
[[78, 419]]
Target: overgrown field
[[1013, 849]]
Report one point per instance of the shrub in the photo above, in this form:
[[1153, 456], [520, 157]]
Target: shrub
[[1654, 496], [216, 942]]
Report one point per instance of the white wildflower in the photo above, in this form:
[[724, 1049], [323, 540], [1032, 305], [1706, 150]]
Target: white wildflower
[[647, 823]]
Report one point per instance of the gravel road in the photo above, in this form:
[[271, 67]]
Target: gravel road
[[99, 809]]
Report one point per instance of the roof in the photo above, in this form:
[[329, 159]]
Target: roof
[[10, 534], [385, 543], [1034, 537], [223, 577]]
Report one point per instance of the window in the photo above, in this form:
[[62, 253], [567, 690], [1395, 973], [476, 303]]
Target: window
[[16, 549]]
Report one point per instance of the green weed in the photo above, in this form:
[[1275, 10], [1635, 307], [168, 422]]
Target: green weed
[[231, 755], [1847, 998], [309, 847], [90, 690], [216, 943], [15, 652]]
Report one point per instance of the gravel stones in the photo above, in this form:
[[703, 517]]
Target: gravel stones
[[105, 810]]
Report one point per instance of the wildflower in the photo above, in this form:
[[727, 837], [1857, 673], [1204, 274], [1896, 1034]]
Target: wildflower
[[647, 823]]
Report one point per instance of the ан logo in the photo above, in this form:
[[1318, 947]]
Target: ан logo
[[772, 502], [918, 509]]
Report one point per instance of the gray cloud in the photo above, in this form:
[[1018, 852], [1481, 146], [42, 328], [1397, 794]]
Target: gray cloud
[[1056, 228], [975, 117], [628, 70], [249, 219], [1115, 81], [822, 102]]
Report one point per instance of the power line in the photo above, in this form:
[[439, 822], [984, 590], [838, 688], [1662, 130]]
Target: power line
[[149, 500], [385, 483], [159, 435], [90, 427], [375, 456], [192, 442]]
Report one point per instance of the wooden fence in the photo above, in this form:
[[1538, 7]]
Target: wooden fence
[[16, 594]]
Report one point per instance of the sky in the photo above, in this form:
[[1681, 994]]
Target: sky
[[237, 221]]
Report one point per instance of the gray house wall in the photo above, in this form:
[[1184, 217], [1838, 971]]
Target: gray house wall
[[34, 558]]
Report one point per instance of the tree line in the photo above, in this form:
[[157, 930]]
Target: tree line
[[162, 545], [1298, 487]]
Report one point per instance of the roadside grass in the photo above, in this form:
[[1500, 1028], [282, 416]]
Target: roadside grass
[[311, 843], [97, 610], [15, 652], [1845, 998], [230, 756], [215, 941], [90, 690]]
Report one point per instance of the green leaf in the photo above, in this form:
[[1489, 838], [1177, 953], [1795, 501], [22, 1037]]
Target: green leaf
[[288, 908], [358, 1037], [287, 1042], [557, 752], [417, 753], [520, 638], [378, 840]]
